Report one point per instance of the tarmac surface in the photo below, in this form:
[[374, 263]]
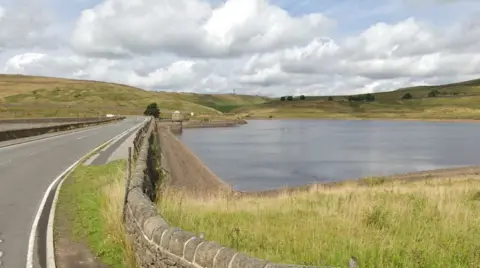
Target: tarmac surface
[[28, 169]]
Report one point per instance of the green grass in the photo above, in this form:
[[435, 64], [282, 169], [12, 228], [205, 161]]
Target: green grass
[[462, 101], [91, 198], [31, 96], [431, 223]]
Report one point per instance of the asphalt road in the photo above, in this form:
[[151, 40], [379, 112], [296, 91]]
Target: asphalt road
[[27, 170]]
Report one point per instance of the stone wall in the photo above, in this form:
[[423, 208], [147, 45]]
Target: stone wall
[[35, 131], [155, 242]]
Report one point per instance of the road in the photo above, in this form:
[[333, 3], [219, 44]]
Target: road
[[27, 170]]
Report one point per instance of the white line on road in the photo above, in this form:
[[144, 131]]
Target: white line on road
[[82, 137], [50, 247]]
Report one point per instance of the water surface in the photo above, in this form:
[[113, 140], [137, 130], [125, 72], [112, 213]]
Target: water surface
[[267, 154]]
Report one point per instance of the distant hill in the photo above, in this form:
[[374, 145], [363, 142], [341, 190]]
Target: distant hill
[[450, 101], [33, 96]]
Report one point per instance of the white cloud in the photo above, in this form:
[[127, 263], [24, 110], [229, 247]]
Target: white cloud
[[25, 27], [251, 46], [191, 28]]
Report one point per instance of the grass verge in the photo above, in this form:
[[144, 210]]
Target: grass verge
[[429, 223], [91, 199]]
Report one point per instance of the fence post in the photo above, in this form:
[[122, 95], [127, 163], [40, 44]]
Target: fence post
[[127, 182]]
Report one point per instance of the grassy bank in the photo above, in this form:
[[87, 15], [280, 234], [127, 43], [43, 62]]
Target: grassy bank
[[91, 201], [429, 223], [453, 101], [32, 96]]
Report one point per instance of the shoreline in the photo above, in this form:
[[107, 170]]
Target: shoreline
[[433, 120], [358, 182], [434, 174]]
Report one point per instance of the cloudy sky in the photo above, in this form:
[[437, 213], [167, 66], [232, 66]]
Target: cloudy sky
[[270, 48]]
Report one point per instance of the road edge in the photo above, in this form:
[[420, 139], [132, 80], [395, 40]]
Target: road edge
[[58, 182]]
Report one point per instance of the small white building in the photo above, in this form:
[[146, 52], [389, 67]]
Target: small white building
[[177, 116], [109, 115]]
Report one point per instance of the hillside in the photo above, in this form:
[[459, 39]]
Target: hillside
[[451, 101], [32, 96]]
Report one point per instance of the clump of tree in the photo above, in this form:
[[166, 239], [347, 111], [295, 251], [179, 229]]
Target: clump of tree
[[330, 98], [407, 96], [290, 98], [362, 97], [433, 93], [152, 110]]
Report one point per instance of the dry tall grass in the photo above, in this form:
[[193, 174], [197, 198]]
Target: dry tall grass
[[93, 200], [430, 223], [112, 208]]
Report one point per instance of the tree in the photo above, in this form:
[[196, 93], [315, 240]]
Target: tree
[[302, 97], [152, 110], [407, 96], [433, 93], [369, 97], [290, 98], [330, 98], [282, 98]]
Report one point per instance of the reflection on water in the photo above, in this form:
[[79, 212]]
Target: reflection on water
[[268, 154]]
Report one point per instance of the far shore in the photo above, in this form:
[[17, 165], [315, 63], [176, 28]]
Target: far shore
[[447, 120]]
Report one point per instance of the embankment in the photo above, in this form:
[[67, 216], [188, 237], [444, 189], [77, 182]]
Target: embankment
[[35, 131], [213, 123], [180, 165], [155, 242]]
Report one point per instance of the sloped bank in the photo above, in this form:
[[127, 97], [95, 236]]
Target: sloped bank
[[155, 242]]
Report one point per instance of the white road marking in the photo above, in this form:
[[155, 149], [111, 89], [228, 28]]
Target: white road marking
[[82, 137], [32, 153], [50, 247]]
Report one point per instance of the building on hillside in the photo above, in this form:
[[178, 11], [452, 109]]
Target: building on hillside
[[177, 116]]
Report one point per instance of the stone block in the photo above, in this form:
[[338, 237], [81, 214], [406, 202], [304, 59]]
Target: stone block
[[223, 258], [206, 252], [242, 260], [167, 235], [151, 224], [190, 248], [178, 241], [158, 232]]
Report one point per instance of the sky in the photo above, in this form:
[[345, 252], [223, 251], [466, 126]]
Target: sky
[[264, 47]]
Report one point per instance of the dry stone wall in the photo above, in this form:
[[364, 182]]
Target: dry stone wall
[[155, 242]]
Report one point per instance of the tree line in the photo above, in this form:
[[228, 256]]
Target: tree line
[[291, 98]]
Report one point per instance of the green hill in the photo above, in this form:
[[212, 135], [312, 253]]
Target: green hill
[[451, 101], [33, 96]]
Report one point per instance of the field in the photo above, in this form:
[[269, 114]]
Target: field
[[428, 223], [454, 101], [30, 96]]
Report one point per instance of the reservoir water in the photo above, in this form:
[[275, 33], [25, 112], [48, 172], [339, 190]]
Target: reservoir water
[[267, 154]]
